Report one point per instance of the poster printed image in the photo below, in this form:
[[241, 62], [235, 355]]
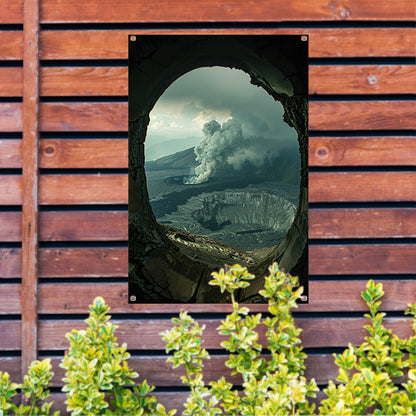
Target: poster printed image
[[218, 162]]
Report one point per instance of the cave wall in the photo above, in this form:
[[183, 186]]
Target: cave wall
[[159, 271]]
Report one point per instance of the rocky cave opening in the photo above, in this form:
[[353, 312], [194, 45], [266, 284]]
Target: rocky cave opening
[[183, 226]]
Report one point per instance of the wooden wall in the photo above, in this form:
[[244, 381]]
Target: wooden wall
[[63, 165]]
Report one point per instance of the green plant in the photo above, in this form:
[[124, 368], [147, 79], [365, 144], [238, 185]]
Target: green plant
[[270, 387], [34, 388], [98, 380], [367, 373]]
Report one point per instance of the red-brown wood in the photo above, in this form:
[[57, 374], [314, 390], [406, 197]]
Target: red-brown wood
[[10, 262], [84, 153], [362, 151], [362, 115], [11, 11], [10, 153], [362, 223], [11, 82], [145, 334], [11, 190], [30, 176], [11, 117], [10, 226], [353, 259], [11, 44], [10, 294], [233, 10], [362, 186], [14, 335], [325, 296], [323, 115], [323, 43], [362, 79]]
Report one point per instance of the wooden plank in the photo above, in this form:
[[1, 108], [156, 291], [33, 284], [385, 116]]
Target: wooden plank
[[11, 190], [112, 188], [83, 153], [324, 79], [11, 82], [11, 11], [362, 151], [10, 299], [362, 223], [13, 340], [11, 117], [67, 11], [362, 259], [10, 153], [145, 334], [83, 189], [83, 117], [11, 45], [10, 226], [85, 81], [112, 153], [30, 180], [102, 262], [362, 186], [323, 43], [112, 262], [362, 115], [325, 296], [323, 115], [362, 79]]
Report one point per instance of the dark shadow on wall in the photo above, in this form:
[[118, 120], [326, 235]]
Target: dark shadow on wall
[[168, 265]]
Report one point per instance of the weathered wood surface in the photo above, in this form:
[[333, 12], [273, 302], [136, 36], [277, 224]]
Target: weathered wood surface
[[11, 117], [11, 11], [97, 11], [338, 259], [112, 225], [11, 44], [11, 82], [112, 153], [323, 43]]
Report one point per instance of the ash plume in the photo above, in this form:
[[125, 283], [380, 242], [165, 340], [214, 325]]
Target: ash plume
[[229, 146]]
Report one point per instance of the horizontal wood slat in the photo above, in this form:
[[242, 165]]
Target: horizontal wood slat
[[13, 330], [112, 188], [325, 296], [10, 299], [11, 45], [11, 11], [358, 259], [362, 223], [362, 151], [323, 43], [333, 115], [109, 81], [112, 153], [362, 186], [144, 334], [112, 262], [112, 225], [99, 11]]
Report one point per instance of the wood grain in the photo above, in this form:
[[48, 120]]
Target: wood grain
[[11, 45], [13, 340], [11, 117], [83, 153], [336, 259], [144, 334], [362, 151], [362, 115], [323, 115], [10, 300], [323, 43], [11, 11], [11, 190], [98, 11], [325, 296], [10, 153], [362, 223], [362, 259], [10, 226], [11, 82], [324, 79], [362, 79], [362, 186]]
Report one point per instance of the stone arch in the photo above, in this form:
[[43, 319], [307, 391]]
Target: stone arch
[[159, 270]]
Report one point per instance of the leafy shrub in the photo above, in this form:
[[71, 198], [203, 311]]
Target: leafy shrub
[[98, 380]]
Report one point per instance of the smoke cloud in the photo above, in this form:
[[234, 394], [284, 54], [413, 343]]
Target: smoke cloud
[[229, 145]]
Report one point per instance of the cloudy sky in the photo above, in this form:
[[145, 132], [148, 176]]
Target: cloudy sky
[[221, 94]]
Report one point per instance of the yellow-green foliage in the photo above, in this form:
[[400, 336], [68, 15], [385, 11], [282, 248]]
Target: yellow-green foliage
[[98, 380]]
